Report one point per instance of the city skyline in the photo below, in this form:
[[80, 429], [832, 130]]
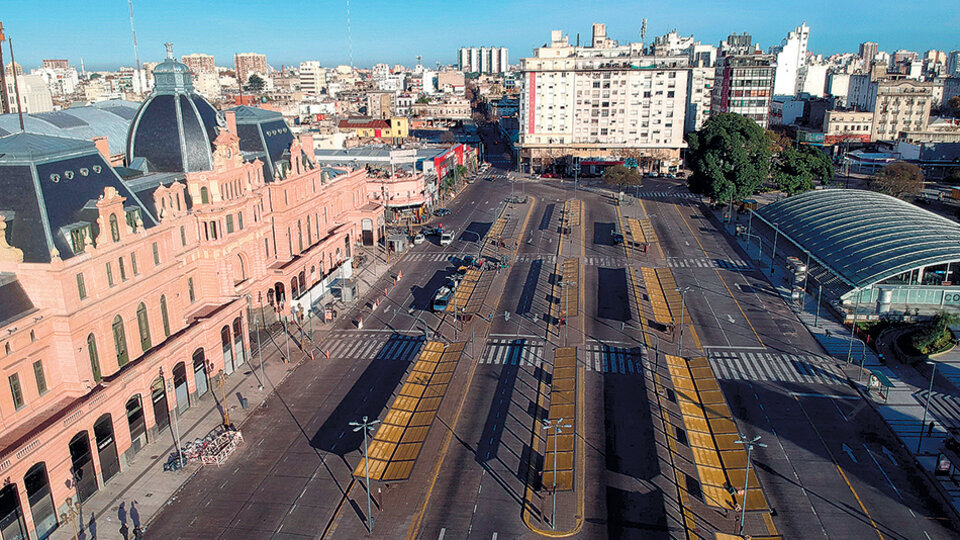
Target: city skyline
[[375, 38]]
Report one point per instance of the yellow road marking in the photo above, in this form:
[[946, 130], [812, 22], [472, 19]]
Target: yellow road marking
[[659, 249], [415, 525], [839, 470], [725, 286]]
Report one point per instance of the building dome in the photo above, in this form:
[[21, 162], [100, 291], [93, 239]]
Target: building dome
[[174, 128]]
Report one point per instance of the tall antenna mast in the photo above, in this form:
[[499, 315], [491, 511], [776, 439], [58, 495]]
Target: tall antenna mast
[[16, 87], [136, 50], [643, 31], [4, 98], [349, 35]]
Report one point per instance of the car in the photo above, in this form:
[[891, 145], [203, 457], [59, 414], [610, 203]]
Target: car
[[440, 212], [617, 238], [418, 239], [446, 238]]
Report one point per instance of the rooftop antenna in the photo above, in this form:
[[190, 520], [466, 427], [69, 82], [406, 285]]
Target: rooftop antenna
[[4, 98], [418, 59], [239, 81], [349, 36], [16, 87], [643, 31], [136, 51], [438, 65]]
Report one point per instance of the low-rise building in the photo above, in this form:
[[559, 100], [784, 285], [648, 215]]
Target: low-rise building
[[394, 129], [846, 127]]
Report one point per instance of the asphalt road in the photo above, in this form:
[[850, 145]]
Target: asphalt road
[[831, 468]]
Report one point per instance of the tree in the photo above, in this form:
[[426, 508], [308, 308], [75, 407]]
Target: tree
[[621, 177], [899, 179], [954, 177], [730, 157], [423, 99], [953, 106], [794, 171], [255, 83]]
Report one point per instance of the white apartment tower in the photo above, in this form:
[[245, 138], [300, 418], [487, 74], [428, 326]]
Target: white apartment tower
[[482, 59], [604, 100], [791, 54], [313, 78]]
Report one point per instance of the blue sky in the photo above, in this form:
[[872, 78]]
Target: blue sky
[[396, 31]]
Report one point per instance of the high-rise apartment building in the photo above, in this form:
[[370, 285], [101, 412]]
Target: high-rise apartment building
[[791, 54], [313, 78], [898, 105], [199, 63], [953, 64], [247, 64], [744, 82], [868, 50], [608, 101], [482, 59], [699, 97], [56, 64]]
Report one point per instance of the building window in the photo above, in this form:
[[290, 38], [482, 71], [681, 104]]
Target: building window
[[143, 324], [81, 286], [94, 358], [133, 263], [183, 236], [78, 238], [120, 342], [266, 247], [240, 220], [114, 228], [156, 254], [123, 269], [109, 274], [229, 223], [164, 317], [133, 216], [41, 380], [16, 391], [204, 196], [190, 291]]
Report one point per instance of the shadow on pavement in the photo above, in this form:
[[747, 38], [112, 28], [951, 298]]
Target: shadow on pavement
[[612, 300], [368, 396]]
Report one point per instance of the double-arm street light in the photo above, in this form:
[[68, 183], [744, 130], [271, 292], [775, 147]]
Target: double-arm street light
[[557, 426], [750, 444], [366, 426]]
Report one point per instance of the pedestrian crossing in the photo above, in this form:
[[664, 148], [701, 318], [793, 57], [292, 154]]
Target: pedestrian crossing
[[609, 359], [944, 408], [730, 264], [373, 346], [596, 357], [759, 366], [666, 195], [513, 352], [433, 256]]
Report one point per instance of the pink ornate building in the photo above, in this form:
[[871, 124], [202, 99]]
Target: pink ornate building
[[122, 297]]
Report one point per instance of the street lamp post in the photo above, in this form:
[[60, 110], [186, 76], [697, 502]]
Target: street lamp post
[[366, 426], [566, 285], [176, 419], [682, 291], [773, 256], [557, 425], [71, 515], [749, 443], [853, 329], [256, 322], [926, 406]]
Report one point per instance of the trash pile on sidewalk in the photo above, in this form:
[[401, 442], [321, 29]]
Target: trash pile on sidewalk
[[214, 449]]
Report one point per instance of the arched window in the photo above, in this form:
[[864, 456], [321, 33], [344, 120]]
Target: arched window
[[94, 358], [204, 195], [120, 342], [164, 316], [114, 228], [144, 326]]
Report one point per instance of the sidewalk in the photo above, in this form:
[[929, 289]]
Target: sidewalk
[[135, 495], [903, 410]]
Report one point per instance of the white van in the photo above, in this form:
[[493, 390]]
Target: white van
[[446, 238]]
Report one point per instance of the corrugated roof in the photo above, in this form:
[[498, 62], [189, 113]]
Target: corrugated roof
[[254, 113], [27, 146], [110, 119], [864, 237]]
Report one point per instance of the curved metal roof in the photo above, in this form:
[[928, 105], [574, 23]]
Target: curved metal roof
[[864, 237], [110, 119]]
